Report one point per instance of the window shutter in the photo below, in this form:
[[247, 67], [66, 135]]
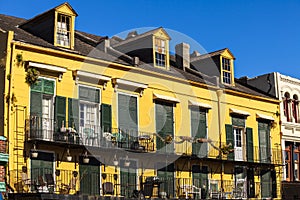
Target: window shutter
[[198, 124], [274, 185], [229, 139], [106, 118], [36, 104], [73, 113], [249, 134], [48, 86], [60, 111], [38, 86]]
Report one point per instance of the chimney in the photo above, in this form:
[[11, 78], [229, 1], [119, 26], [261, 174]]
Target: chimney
[[195, 54], [135, 61], [183, 55], [104, 45]]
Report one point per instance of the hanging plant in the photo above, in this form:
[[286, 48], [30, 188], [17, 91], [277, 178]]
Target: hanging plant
[[168, 139], [19, 58], [226, 149], [32, 76]]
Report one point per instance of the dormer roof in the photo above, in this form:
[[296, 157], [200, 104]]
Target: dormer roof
[[65, 8], [135, 36], [223, 52]]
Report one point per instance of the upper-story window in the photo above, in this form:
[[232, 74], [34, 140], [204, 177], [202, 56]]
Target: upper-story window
[[295, 108], [63, 31], [226, 70], [160, 52], [286, 106]]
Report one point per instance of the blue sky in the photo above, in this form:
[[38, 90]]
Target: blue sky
[[264, 36]]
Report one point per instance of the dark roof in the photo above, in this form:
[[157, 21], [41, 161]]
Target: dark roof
[[82, 47], [85, 43], [210, 54]]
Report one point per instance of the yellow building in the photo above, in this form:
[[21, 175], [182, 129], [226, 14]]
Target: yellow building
[[89, 115]]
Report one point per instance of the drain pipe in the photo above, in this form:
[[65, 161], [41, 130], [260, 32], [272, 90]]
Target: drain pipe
[[219, 94]]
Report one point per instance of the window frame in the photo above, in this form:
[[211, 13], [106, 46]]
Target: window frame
[[162, 61], [226, 69], [63, 32]]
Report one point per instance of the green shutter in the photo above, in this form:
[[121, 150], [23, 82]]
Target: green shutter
[[36, 103], [198, 125], [229, 139], [164, 125], [60, 111], [249, 134], [167, 178], [200, 179], [38, 86], [264, 142], [106, 118], [48, 86], [89, 179], [266, 185], [73, 113]]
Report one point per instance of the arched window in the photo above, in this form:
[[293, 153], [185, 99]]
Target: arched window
[[295, 108], [286, 106]]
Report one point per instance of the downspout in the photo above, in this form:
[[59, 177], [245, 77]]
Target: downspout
[[219, 94], [12, 49]]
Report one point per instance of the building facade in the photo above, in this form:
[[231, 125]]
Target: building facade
[[99, 116], [285, 89]]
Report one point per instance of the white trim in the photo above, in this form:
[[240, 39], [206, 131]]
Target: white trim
[[91, 75], [130, 83], [262, 116], [202, 105], [240, 112], [166, 98], [47, 67]]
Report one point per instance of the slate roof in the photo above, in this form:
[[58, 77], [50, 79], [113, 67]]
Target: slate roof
[[85, 43], [82, 47]]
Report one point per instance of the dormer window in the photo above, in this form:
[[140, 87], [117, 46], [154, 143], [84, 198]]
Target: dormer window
[[226, 71], [160, 52], [63, 32]]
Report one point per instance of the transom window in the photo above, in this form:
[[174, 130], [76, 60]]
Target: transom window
[[226, 68], [63, 33], [160, 52]]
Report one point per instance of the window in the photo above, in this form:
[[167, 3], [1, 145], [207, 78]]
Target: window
[[264, 141], [226, 69], [287, 162], [63, 33], [295, 107], [160, 52], [286, 106], [42, 109], [198, 130], [164, 125], [296, 162], [89, 116]]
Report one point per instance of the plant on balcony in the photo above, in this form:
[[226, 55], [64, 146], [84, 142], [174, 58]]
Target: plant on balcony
[[226, 149], [168, 139], [32, 76]]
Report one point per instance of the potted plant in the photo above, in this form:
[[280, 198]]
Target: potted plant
[[32, 76]]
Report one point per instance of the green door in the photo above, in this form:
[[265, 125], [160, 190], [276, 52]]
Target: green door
[[200, 180], [89, 179], [266, 184], [128, 178], [166, 176], [164, 126], [198, 128], [127, 119], [264, 142]]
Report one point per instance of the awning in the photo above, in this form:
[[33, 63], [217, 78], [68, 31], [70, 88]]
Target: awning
[[199, 104], [47, 67], [239, 112], [86, 74], [165, 98], [130, 83], [262, 116]]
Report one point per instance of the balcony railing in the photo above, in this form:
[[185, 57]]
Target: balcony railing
[[47, 180], [93, 135]]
